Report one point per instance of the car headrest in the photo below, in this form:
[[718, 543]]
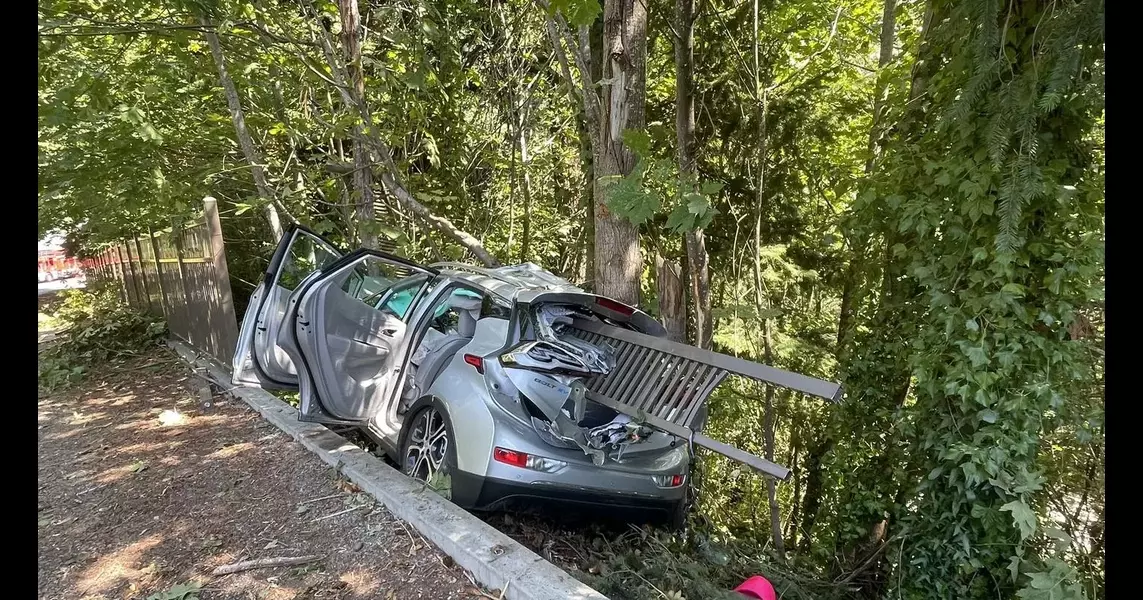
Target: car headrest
[[468, 304], [461, 301]]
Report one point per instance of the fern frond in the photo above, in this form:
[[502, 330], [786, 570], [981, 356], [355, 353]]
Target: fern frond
[[1061, 77], [988, 37], [999, 138], [1008, 200], [972, 92]]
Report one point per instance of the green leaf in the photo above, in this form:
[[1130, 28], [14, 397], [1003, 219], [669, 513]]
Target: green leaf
[[697, 204], [680, 220], [711, 188], [578, 12], [638, 140], [977, 356], [1013, 288], [1014, 567], [1024, 517]]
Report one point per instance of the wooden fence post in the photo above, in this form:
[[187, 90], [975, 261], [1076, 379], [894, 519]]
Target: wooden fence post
[[134, 275], [143, 272], [123, 275], [107, 276], [177, 235], [228, 336], [164, 303]]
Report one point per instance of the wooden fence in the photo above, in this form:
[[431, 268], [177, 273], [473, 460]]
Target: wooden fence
[[181, 276]]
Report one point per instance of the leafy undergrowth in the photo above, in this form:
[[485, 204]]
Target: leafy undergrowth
[[95, 328], [662, 564], [629, 562]]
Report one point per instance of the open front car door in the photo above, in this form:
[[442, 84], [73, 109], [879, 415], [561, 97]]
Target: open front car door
[[258, 360]]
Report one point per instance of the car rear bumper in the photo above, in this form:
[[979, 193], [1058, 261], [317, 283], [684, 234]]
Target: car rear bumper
[[491, 493]]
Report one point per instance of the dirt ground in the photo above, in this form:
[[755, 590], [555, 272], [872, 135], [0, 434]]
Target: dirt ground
[[144, 489]]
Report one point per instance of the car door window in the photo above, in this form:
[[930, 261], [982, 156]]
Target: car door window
[[306, 255], [385, 286]]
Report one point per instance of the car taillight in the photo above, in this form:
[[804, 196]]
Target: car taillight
[[510, 457], [618, 307], [475, 361], [669, 481], [527, 461]]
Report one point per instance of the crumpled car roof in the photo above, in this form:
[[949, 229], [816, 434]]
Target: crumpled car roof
[[509, 280]]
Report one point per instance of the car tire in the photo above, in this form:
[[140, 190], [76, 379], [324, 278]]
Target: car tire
[[428, 453]]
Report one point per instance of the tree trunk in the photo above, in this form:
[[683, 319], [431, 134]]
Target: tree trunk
[[512, 177], [812, 500], [618, 265], [845, 316], [672, 303], [796, 493], [698, 261], [761, 299], [587, 127], [768, 418], [362, 165], [249, 150], [768, 425], [849, 292], [526, 189], [888, 36], [587, 196]]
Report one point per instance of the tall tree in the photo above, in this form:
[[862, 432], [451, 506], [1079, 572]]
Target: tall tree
[[362, 163], [698, 261], [249, 150], [618, 264], [387, 168], [857, 247]]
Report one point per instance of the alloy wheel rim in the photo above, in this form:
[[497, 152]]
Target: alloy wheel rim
[[428, 446]]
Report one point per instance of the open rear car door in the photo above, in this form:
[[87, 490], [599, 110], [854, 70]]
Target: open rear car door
[[346, 329], [258, 360]]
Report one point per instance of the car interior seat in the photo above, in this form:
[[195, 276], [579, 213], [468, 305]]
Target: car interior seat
[[443, 348]]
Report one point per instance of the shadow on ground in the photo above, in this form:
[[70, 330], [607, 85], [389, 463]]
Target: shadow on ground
[[143, 486]]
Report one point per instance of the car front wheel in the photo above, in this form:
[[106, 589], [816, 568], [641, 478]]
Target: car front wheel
[[428, 452]]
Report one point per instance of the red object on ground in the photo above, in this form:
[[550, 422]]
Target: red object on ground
[[757, 587]]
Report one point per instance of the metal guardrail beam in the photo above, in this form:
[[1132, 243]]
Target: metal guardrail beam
[[663, 384], [795, 381]]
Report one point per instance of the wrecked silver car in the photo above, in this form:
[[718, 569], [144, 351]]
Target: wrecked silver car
[[490, 384]]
